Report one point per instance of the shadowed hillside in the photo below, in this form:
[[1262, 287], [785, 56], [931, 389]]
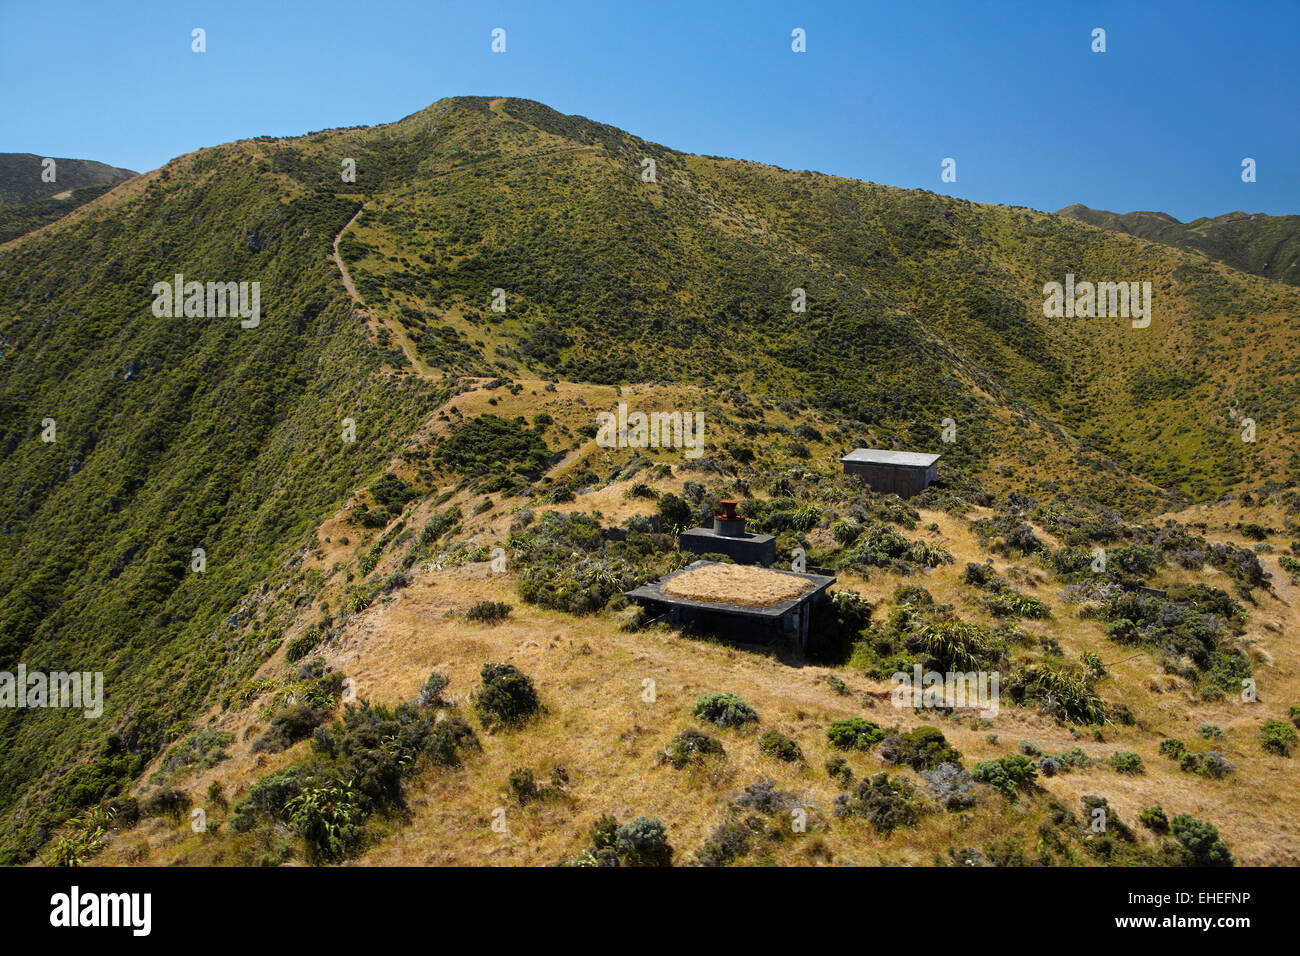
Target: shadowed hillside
[[23, 176]]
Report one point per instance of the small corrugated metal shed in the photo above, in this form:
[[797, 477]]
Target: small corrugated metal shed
[[902, 473]]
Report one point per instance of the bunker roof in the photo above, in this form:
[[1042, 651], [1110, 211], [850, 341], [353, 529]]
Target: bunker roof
[[880, 456]]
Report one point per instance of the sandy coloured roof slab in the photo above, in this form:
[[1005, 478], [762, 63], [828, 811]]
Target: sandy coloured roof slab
[[740, 584], [881, 456]]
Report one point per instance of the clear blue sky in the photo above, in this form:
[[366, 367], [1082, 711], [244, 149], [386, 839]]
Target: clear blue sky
[[885, 92]]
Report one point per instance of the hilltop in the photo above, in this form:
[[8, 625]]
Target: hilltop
[[324, 557]]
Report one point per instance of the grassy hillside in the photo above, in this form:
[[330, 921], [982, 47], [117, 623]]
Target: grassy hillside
[[188, 432], [1268, 246]]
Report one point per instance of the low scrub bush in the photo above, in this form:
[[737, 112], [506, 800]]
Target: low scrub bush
[[506, 696], [1125, 761], [854, 733], [691, 746], [290, 725], [950, 786], [488, 612], [643, 842], [923, 748], [1010, 775], [1277, 737], [1201, 840], [886, 802], [773, 743], [1154, 819], [724, 710]]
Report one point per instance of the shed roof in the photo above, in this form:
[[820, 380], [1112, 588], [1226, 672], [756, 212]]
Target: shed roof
[[880, 456]]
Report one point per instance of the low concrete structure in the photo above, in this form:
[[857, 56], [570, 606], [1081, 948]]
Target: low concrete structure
[[902, 473], [751, 625], [728, 536]]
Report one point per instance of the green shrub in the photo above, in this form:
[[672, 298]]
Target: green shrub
[[488, 612], [691, 746], [490, 445], [675, 513], [604, 832], [912, 594], [125, 811], [1010, 603], [289, 725], [1093, 665], [854, 733], [837, 768], [805, 517], [302, 645], [447, 738], [724, 710], [846, 532], [954, 645], [1154, 819], [773, 743], [327, 818], [1210, 731], [1173, 748], [267, 798], [1066, 696], [1277, 737], [200, 750], [1125, 761], [643, 842], [432, 690], [1201, 840], [838, 625], [886, 802], [506, 696], [522, 786], [923, 748], [1009, 775]]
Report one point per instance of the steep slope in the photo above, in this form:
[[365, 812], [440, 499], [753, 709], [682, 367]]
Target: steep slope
[[171, 434], [1267, 246]]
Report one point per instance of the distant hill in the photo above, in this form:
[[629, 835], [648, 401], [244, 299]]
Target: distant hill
[[27, 202], [1268, 246], [21, 182]]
